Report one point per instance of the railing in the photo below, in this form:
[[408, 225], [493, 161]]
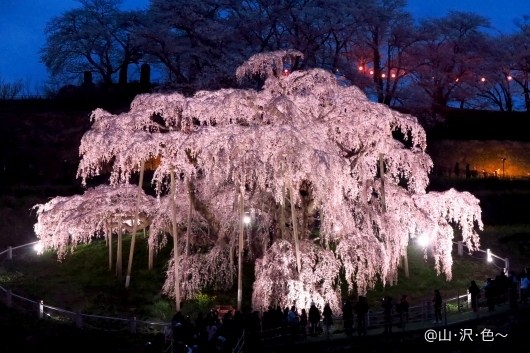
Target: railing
[[240, 343], [97, 322], [417, 317], [488, 258], [10, 249]]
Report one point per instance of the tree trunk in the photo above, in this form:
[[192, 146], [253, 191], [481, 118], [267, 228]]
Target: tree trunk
[[202, 209], [175, 239], [378, 80], [134, 226], [123, 74]]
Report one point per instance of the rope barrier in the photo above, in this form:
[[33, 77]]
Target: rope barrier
[[59, 309]]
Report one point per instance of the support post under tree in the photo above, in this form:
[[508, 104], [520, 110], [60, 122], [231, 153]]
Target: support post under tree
[[175, 239], [119, 251], [109, 235], [151, 261], [189, 218], [231, 255], [382, 174], [135, 226], [282, 213], [295, 231], [406, 261], [240, 252]]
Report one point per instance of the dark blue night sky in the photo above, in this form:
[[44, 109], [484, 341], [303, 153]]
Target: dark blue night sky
[[22, 25]]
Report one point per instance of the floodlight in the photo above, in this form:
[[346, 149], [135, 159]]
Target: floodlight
[[423, 240]]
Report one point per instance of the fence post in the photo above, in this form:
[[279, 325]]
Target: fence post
[[9, 298], [506, 266], [79, 320], [132, 325], [469, 300], [458, 303], [10, 253], [367, 324], [445, 313], [41, 309], [460, 248]]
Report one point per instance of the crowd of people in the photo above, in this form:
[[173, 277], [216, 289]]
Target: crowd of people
[[211, 334], [513, 289]]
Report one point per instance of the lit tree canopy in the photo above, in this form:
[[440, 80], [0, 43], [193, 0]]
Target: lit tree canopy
[[72, 220], [302, 140]]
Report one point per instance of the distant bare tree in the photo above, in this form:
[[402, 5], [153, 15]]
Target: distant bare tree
[[95, 37], [448, 59], [9, 90], [519, 66]]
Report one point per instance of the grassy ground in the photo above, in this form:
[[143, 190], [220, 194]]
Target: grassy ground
[[84, 283], [423, 280]]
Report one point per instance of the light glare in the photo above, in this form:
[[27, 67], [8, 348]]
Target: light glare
[[423, 240]]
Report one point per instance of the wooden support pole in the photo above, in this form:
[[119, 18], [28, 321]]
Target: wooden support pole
[[109, 236], [382, 174], [189, 219], [79, 320], [134, 225], [151, 251], [295, 231], [41, 309], [119, 251], [240, 251], [282, 214], [231, 255], [406, 261], [132, 325], [175, 240]]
